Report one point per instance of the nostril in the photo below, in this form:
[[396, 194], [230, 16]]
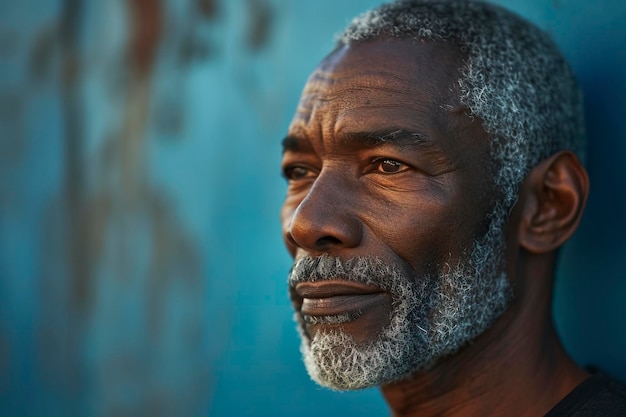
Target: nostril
[[327, 241]]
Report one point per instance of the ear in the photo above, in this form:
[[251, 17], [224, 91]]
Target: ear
[[555, 193]]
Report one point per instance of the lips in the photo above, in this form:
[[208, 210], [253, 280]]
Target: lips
[[333, 298]]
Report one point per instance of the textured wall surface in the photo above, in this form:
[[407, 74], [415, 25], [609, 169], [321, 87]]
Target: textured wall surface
[[142, 271]]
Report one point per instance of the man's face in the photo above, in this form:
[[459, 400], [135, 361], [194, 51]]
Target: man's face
[[389, 214]]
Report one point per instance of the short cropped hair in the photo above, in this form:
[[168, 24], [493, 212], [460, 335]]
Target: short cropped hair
[[513, 78]]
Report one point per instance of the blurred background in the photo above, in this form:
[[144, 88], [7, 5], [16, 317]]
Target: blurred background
[[142, 271]]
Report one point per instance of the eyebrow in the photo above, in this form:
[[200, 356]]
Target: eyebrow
[[369, 139], [292, 143], [397, 137]]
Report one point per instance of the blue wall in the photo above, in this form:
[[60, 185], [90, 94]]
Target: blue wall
[[141, 266]]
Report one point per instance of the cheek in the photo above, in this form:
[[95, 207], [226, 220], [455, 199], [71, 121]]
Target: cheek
[[286, 215], [424, 235], [289, 207], [411, 232]]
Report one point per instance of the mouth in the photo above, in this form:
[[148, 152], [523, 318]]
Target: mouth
[[335, 302]]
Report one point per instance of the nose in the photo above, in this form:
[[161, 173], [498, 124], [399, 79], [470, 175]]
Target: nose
[[325, 220]]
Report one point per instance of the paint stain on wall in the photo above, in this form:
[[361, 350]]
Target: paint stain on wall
[[146, 27], [259, 25], [112, 234], [209, 9]]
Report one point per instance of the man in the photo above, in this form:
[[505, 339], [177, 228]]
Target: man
[[433, 170]]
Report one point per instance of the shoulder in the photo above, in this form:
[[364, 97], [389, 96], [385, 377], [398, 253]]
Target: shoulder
[[598, 395]]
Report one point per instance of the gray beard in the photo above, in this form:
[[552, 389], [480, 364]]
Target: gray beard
[[431, 316]]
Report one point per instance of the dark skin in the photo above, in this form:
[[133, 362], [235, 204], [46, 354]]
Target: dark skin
[[382, 160]]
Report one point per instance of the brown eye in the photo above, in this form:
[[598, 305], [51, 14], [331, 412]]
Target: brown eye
[[389, 166], [297, 172]]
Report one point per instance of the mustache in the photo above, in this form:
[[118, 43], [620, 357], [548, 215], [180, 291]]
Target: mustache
[[366, 270]]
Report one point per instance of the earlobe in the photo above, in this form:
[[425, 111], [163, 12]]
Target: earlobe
[[555, 193]]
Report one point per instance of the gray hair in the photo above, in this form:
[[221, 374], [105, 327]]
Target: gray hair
[[513, 78]]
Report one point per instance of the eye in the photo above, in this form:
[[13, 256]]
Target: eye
[[388, 166], [297, 172]]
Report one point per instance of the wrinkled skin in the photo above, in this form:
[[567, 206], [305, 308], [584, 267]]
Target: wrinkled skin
[[383, 161], [398, 198]]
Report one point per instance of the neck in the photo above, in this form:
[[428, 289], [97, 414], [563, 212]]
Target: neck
[[517, 367]]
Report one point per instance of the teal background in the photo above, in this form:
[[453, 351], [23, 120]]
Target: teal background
[[142, 271]]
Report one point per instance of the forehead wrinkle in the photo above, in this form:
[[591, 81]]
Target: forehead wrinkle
[[388, 121], [343, 92], [323, 85]]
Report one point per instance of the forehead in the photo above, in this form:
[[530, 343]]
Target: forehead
[[393, 63], [385, 85]]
